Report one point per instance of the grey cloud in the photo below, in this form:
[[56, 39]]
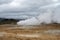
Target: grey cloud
[[5, 1], [25, 7]]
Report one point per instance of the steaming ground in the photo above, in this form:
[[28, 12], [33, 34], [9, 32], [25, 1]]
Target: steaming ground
[[45, 18], [48, 14]]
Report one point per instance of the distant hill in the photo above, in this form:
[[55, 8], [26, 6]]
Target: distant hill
[[9, 21]]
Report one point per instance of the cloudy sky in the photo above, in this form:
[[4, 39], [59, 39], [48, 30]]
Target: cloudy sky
[[21, 9]]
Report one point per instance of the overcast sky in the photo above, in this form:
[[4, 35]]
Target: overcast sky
[[24, 8]]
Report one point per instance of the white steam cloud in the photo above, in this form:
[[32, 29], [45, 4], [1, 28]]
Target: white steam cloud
[[51, 15], [45, 18]]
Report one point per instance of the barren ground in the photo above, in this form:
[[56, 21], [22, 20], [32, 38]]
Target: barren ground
[[43, 32]]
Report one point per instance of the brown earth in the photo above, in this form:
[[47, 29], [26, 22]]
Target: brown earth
[[41, 32]]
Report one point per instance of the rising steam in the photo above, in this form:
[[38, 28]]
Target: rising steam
[[51, 15]]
